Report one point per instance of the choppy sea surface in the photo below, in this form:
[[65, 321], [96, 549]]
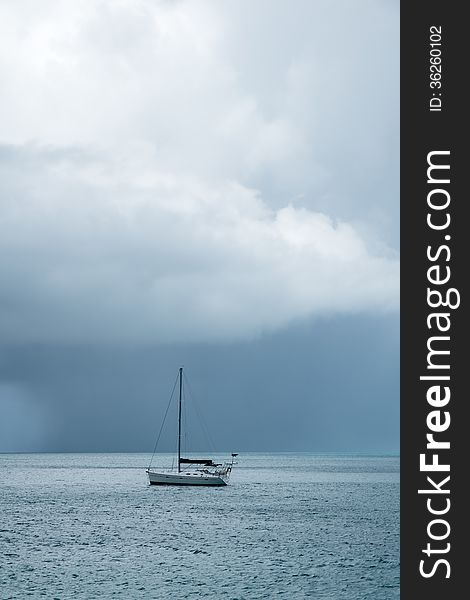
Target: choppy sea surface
[[88, 526]]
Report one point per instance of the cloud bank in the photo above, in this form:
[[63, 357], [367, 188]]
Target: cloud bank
[[161, 180]]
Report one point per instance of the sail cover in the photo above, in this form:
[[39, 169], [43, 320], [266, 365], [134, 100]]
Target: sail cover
[[197, 461]]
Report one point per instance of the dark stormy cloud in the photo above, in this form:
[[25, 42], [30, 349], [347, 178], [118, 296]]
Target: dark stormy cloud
[[326, 386], [214, 183]]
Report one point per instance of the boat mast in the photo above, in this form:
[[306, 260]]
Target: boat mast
[[179, 420]]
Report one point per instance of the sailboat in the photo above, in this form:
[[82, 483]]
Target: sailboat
[[191, 471]]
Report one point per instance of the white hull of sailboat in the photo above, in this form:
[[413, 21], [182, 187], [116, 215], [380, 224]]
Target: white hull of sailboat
[[156, 478]]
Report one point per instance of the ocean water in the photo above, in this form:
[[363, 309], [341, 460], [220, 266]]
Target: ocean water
[[88, 526]]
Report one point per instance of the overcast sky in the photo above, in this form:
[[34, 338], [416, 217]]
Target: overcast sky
[[214, 183]]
